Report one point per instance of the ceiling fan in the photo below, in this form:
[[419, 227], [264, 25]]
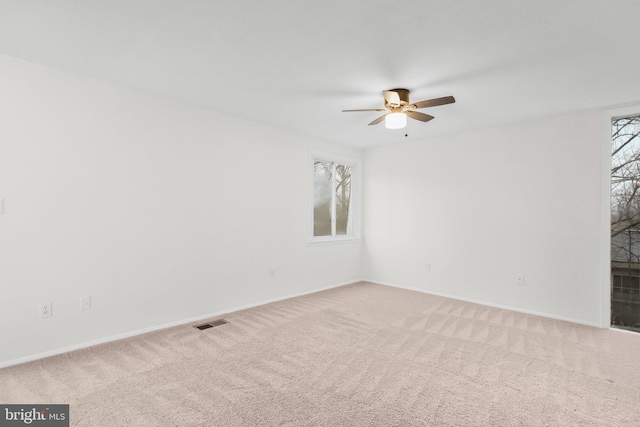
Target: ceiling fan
[[398, 107]]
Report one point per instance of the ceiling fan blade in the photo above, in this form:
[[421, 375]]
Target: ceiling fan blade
[[370, 109], [391, 97], [435, 102], [419, 116], [378, 120]]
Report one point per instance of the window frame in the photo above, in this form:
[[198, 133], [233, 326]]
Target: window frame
[[617, 297], [356, 173], [607, 115]]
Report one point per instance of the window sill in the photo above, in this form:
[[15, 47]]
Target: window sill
[[334, 240]]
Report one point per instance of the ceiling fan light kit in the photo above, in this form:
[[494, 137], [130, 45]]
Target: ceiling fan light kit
[[395, 120], [398, 108]]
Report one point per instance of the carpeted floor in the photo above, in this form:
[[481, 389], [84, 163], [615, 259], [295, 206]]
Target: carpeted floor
[[359, 355]]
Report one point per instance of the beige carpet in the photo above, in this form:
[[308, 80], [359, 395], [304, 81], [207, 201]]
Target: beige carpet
[[360, 355]]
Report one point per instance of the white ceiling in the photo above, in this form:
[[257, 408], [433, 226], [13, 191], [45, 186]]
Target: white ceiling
[[297, 64]]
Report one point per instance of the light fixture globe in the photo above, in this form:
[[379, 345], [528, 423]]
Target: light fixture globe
[[395, 120]]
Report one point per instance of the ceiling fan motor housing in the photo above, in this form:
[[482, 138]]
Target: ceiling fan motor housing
[[403, 94]]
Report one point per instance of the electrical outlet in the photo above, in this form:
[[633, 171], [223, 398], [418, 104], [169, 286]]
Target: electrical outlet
[[428, 268], [520, 279], [85, 303], [45, 309], [272, 272]]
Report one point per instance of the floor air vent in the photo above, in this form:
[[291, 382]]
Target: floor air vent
[[211, 324]]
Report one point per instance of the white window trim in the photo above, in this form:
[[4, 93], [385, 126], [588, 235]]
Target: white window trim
[[356, 189]]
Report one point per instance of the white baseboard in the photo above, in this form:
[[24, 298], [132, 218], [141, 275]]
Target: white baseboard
[[490, 304], [32, 357]]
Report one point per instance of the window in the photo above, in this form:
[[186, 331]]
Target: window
[[335, 199], [625, 223]]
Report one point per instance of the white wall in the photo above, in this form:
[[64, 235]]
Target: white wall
[[484, 206], [158, 210]]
